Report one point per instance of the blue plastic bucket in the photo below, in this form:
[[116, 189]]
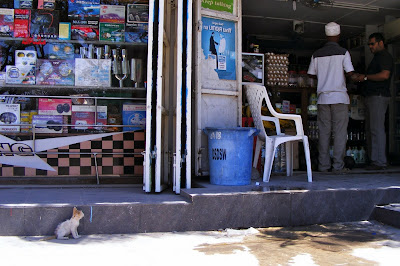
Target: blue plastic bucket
[[230, 153]]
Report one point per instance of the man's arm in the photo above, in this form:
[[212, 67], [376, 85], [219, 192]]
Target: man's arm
[[381, 76]]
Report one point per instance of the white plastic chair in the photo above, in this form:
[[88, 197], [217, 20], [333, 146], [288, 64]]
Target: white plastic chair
[[255, 95]]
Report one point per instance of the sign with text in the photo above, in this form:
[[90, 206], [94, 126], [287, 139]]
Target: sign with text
[[218, 5]]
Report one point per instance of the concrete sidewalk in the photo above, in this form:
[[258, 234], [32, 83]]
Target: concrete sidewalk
[[121, 209], [359, 243]]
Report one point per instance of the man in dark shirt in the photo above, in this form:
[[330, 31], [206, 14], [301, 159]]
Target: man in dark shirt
[[377, 97]]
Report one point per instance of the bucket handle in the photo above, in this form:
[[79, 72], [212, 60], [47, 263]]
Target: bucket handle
[[253, 132]]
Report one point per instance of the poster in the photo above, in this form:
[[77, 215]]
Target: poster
[[219, 51], [218, 5]]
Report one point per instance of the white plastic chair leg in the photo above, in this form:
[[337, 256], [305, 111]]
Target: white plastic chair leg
[[269, 160], [308, 158], [289, 158], [257, 152]]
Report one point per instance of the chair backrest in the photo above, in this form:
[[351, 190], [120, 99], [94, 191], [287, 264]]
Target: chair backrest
[[255, 95]]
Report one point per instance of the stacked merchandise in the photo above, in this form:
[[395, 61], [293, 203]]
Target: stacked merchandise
[[112, 23], [137, 23], [84, 15], [277, 69]]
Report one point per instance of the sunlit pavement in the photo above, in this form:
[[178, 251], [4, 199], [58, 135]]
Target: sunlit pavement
[[357, 243]]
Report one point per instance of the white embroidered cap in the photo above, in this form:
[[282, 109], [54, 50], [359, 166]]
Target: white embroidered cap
[[332, 29]]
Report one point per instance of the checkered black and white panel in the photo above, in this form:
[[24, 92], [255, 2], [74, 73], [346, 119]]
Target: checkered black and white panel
[[116, 155]]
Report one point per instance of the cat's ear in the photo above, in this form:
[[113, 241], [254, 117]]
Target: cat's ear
[[75, 210]]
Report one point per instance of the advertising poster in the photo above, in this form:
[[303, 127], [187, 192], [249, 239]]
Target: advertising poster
[[218, 45], [218, 5]]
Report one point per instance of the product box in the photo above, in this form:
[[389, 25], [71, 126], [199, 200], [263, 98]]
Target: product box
[[82, 116], [59, 51], [101, 117], [54, 106], [135, 115], [9, 115], [20, 74], [83, 9], [22, 18], [285, 106], [44, 24], [114, 32], [25, 58], [6, 22], [85, 30], [93, 72], [55, 72], [137, 32], [112, 14], [137, 13], [48, 123], [64, 31], [3, 78], [23, 4], [47, 4]]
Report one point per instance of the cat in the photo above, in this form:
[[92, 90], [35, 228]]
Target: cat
[[68, 227]]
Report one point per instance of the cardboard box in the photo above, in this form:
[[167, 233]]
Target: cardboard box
[[23, 4], [135, 115], [55, 72], [47, 4], [9, 115], [3, 78], [137, 13], [114, 32], [137, 32], [112, 13], [44, 24], [49, 106], [48, 123], [64, 31], [20, 74], [101, 117], [22, 22], [59, 51], [87, 30], [25, 58], [6, 22], [83, 9], [93, 72], [82, 115]]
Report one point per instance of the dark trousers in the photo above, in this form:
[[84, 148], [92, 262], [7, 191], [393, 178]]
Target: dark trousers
[[376, 107]]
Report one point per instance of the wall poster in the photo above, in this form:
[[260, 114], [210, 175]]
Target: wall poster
[[219, 50]]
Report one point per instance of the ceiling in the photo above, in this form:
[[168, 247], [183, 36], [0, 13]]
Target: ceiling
[[270, 22]]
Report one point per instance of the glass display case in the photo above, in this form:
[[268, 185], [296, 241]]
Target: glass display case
[[72, 68]]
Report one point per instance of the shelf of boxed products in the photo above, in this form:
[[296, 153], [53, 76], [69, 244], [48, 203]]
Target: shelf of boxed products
[[30, 87], [31, 115], [31, 41]]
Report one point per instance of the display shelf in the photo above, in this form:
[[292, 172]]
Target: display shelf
[[139, 44], [28, 86]]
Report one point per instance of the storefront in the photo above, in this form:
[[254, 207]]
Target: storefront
[[122, 89]]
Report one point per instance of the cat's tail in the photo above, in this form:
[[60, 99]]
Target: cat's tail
[[48, 238]]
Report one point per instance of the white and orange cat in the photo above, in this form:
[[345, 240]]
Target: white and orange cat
[[68, 227]]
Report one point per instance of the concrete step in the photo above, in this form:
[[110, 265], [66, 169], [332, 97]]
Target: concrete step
[[388, 214]]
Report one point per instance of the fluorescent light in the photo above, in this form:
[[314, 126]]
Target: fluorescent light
[[352, 6]]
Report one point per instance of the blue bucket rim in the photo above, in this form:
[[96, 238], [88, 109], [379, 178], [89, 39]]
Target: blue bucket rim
[[230, 128]]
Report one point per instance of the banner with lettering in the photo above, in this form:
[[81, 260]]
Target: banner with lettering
[[218, 5], [219, 50]]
